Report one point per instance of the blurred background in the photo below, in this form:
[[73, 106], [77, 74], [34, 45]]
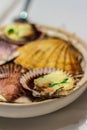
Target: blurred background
[[68, 14]]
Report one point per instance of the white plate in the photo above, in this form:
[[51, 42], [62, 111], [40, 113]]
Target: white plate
[[40, 108]]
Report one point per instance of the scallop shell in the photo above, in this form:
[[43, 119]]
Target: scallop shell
[[10, 87], [7, 51], [50, 53], [27, 83], [11, 70], [36, 35]]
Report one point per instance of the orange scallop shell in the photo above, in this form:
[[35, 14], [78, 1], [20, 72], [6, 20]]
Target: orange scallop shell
[[10, 87]]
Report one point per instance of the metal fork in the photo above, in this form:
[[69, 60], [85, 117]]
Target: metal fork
[[24, 13]]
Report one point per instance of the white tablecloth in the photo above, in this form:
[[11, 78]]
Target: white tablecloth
[[70, 15]]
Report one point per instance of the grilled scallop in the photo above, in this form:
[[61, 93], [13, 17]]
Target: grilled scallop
[[48, 83], [19, 33]]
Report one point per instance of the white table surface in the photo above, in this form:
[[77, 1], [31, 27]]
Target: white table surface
[[70, 15]]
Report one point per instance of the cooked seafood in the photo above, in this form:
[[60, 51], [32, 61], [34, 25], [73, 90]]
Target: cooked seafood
[[19, 33], [7, 51], [48, 83], [10, 87], [50, 53], [60, 56]]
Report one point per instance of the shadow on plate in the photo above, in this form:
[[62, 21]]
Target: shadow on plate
[[68, 118]]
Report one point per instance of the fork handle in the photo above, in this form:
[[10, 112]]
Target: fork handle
[[26, 5]]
